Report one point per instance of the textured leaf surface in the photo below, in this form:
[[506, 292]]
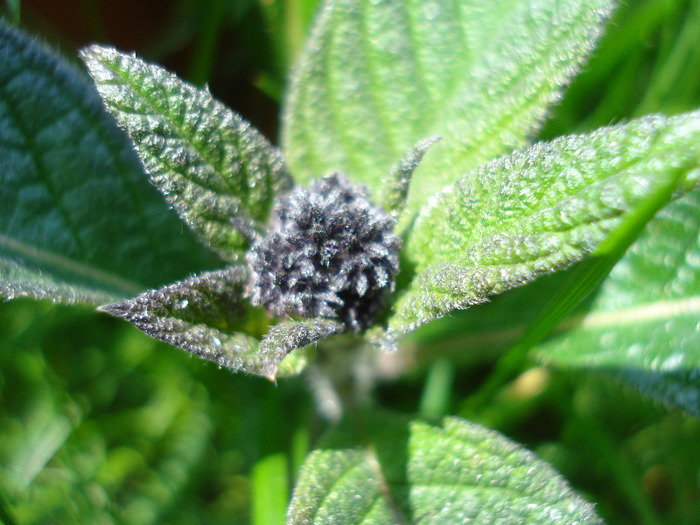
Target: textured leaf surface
[[211, 165], [643, 324], [208, 316], [396, 185], [539, 210], [285, 337], [416, 472], [78, 219], [378, 76]]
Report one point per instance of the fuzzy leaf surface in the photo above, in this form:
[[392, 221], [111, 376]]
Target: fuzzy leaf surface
[[205, 315], [402, 471], [378, 76], [396, 185], [212, 166], [642, 328], [539, 210], [78, 219], [287, 336]]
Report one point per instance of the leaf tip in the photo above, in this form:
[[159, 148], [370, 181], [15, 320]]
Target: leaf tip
[[92, 52], [115, 309]]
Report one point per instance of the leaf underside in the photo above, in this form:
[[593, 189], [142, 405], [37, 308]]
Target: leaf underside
[[538, 211], [216, 170], [642, 327], [78, 220], [378, 76], [417, 472], [287, 336], [208, 316], [199, 314]]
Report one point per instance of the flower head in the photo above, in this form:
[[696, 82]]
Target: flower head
[[328, 252]]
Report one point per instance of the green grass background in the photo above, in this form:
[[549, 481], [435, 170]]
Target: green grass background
[[100, 424]]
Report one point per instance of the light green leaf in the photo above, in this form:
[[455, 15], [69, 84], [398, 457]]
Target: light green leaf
[[398, 471], [78, 219], [538, 211], [377, 76], [218, 172], [395, 187], [643, 325]]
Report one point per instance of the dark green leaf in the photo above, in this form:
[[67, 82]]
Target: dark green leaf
[[390, 470], [78, 219], [203, 315], [208, 316], [538, 211], [377, 76], [643, 325], [215, 169]]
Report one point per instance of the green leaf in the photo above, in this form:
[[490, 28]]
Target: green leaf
[[78, 219], [212, 166], [642, 327], [204, 315], [377, 76], [396, 185], [538, 211], [287, 336], [417, 472], [208, 316]]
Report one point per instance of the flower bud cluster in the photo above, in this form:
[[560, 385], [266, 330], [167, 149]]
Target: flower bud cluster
[[328, 252]]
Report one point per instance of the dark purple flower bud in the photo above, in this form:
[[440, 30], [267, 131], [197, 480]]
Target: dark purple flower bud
[[329, 252]]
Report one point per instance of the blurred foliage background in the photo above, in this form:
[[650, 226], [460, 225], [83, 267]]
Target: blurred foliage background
[[100, 424]]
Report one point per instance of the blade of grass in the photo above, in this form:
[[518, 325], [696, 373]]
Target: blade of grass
[[13, 8], [435, 399], [203, 58], [270, 490]]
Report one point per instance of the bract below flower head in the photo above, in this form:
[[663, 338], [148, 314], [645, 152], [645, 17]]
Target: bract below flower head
[[328, 252]]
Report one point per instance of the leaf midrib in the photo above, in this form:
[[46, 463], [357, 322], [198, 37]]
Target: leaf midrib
[[656, 311], [70, 265], [79, 104]]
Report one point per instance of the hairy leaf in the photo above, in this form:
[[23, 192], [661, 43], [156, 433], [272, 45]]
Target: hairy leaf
[[539, 210], [643, 325], [399, 471], [287, 336], [208, 316], [377, 76], [396, 185], [78, 219], [215, 169]]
